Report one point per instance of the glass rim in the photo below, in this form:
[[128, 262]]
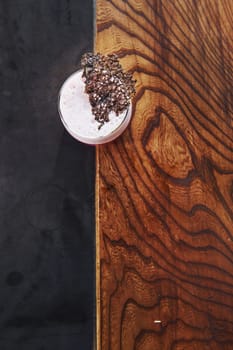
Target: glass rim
[[94, 140]]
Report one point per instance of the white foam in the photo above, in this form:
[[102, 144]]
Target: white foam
[[77, 117]]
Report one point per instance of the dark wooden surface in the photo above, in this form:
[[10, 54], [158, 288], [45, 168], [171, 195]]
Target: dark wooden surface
[[47, 299], [165, 188]]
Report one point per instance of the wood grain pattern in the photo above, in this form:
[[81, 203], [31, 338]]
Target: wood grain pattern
[[164, 189]]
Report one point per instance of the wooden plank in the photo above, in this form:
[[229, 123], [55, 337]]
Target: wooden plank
[[164, 190]]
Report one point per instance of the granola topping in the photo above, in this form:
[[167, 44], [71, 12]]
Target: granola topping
[[110, 89]]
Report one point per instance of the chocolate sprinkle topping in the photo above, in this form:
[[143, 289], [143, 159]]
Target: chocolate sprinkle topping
[[109, 88]]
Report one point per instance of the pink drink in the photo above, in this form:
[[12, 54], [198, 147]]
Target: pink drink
[[77, 117]]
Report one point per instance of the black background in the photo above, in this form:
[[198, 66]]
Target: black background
[[46, 181]]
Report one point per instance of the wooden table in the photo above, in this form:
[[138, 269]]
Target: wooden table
[[164, 189]]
